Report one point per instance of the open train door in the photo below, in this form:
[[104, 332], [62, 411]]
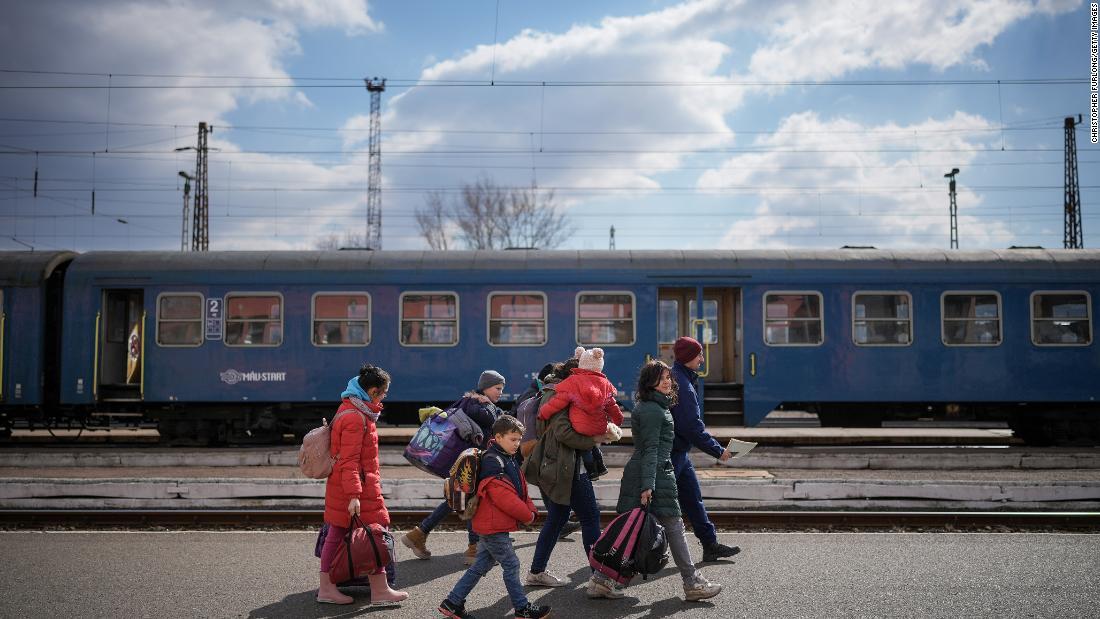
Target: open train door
[[716, 323], [121, 347]]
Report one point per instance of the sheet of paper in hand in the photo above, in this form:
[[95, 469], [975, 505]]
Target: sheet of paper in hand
[[739, 448]]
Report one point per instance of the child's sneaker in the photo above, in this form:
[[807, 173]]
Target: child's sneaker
[[701, 589], [455, 611], [533, 612]]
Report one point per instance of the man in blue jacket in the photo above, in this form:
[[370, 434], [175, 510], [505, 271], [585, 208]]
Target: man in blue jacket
[[687, 417]]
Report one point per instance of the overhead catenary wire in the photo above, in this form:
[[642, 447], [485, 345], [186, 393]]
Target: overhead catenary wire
[[290, 81]]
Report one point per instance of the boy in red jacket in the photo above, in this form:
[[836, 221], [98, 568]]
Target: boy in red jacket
[[503, 505]]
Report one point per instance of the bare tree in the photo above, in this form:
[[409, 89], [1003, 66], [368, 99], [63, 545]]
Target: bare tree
[[488, 216], [432, 221], [333, 241]]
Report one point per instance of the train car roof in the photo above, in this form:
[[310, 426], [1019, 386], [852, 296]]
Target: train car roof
[[521, 260], [30, 268]]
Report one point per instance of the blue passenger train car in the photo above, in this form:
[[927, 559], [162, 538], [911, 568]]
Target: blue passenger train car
[[30, 304], [223, 345]]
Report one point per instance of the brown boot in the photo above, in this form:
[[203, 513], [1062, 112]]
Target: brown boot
[[416, 541], [470, 555]]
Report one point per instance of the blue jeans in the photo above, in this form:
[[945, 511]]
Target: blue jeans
[[582, 501], [439, 514], [496, 546], [691, 498]]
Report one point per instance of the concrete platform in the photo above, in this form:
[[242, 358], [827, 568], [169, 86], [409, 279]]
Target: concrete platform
[[776, 436], [833, 458], [723, 488]]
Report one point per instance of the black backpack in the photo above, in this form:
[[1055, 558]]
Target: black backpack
[[651, 552], [633, 543]]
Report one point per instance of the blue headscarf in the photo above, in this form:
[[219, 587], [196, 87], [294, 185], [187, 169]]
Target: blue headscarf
[[354, 390], [359, 398]]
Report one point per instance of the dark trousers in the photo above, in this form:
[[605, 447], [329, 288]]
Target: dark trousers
[[582, 501], [691, 498]]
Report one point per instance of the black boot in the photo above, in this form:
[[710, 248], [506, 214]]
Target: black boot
[[571, 527], [718, 550]]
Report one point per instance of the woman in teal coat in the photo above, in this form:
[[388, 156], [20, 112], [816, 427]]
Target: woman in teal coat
[[649, 478]]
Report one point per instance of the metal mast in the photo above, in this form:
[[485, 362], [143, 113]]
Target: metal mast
[[954, 208], [1073, 238], [187, 178], [200, 232], [375, 87]]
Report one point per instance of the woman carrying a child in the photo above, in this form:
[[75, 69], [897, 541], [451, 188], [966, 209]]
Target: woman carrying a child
[[649, 479], [591, 401], [481, 407], [556, 466], [354, 488]]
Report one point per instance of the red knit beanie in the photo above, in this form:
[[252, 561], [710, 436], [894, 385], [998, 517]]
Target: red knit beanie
[[685, 349]]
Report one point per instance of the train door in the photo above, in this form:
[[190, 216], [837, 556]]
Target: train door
[[121, 346], [720, 320], [718, 327]]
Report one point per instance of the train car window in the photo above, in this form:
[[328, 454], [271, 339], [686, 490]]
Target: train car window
[[1061, 318], [793, 318], [253, 319], [668, 321], [882, 318], [429, 318], [179, 319], [710, 314], [971, 318], [517, 318], [341, 319], [605, 318]]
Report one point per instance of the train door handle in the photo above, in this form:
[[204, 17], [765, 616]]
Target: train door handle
[[752, 364]]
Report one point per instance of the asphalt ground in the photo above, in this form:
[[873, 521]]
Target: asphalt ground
[[273, 574]]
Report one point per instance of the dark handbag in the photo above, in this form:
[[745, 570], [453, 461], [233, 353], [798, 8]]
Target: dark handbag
[[364, 550]]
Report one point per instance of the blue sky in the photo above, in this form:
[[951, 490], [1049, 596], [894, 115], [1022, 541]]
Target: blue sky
[[750, 124]]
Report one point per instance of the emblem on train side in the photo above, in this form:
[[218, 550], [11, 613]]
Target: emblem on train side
[[232, 377]]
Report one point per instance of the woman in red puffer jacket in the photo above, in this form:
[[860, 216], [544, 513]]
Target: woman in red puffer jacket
[[355, 485]]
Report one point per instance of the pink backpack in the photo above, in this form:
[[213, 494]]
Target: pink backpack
[[315, 455]]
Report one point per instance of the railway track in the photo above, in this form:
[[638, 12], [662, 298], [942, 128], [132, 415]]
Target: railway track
[[739, 520]]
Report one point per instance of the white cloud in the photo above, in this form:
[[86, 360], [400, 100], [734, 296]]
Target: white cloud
[[826, 40], [849, 183], [684, 43], [164, 38], [352, 15], [636, 134]]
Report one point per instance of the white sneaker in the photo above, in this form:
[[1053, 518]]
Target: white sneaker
[[702, 589], [544, 579], [602, 588]]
